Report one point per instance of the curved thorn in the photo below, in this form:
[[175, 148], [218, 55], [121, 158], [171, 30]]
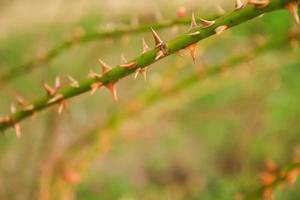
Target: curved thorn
[[238, 5], [74, 83], [193, 22], [157, 40], [220, 29], [145, 46], [105, 67], [111, 87], [293, 8], [207, 23]]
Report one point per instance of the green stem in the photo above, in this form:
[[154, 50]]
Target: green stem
[[232, 19], [35, 63]]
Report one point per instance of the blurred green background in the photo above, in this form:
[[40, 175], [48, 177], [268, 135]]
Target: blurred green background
[[209, 140]]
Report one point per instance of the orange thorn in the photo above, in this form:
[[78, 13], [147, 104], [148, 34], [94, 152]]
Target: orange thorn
[[17, 128], [74, 83], [111, 87], [128, 65], [93, 74], [259, 4], [20, 101], [94, 88], [194, 33], [157, 40], [61, 107], [145, 46], [50, 91], [13, 108], [29, 107], [238, 5], [220, 29], [105, 67], [57, 84], [192, 51], [56, 98], [293, 8], [193, 22], [206, 23], [159, 55]]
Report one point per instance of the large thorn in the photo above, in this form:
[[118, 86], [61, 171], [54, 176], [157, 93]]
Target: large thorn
[[105, 67], [57, 84], [56, 98], [142, 71], [193, 22], [259, 3], [159, 55], [145, 46], [21, 101], [238, 5], [207, 23], [17, 128], [74, 83], [61, 107], [192, 51], [157, 40], [50, 91], [111, 87], [293, 8], [93, 74], [220, 29], [94, 88]]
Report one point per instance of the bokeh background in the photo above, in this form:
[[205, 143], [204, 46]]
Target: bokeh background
[[206, 140]]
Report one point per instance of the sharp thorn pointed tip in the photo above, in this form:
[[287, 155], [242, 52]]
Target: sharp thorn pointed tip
[[193, 22]]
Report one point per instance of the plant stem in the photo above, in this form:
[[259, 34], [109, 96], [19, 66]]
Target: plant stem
[[231, 19], [14, 72]]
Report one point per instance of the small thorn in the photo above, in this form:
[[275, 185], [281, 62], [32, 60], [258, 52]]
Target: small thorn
[[259, 3], [207, 23], [159, 55], [123, 59], [94, 88], [238, 5], [29, 107], [56, 98], [21, 101], [128, 65], [93, 74], [145, 46], [157, 40], [192, 51], [220, 29], [293, 8], [105, 67], [50, 91], [13, 108], [17, 128], [143, 71], [194, 33], [220, 9], [193, 22], [74, 83], [57, 84], [111, 87], [136, 73], [61, 107]]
